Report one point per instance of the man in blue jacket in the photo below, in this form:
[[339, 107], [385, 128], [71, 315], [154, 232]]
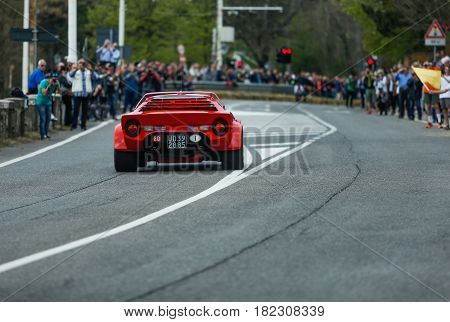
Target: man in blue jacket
[[36, 77], [403, 77]]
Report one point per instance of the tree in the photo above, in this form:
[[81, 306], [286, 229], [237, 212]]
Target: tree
[[261, 30], [12, 52], [323, 38], [395, 28], [155, 28]]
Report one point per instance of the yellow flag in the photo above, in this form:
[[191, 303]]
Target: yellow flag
[[429, 77]]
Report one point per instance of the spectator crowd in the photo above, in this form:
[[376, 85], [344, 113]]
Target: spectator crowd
[[399, 91], [97, 92]]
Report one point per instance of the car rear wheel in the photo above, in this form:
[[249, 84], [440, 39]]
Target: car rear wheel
[[125, 161], [232, 160]]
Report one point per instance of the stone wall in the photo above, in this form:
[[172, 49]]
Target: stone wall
[[17, 117]]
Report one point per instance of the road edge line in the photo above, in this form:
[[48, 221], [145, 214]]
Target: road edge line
[[56, 145]]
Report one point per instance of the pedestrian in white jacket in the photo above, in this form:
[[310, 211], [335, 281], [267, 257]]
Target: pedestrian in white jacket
[[81, 78]]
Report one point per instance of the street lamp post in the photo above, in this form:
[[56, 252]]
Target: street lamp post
[[72, 31], [121, 26]]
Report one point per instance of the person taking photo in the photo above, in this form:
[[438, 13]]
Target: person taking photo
[[81, 78], [47, 87]]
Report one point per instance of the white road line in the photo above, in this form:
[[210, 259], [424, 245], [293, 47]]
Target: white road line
[[268, 145], [229, 180], [269, 152], [56, 145], [119, 229], [240, 113], [270, 134]]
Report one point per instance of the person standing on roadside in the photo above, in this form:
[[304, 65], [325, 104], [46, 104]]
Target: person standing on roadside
[[111, 85], [337, 88], [444, 93], [362, 90], [36, 77], [115, 55], [66, 94], [105, 53], [391, 92], [131, 88], [414, 97], [81, 78], [350, 87], [381, 85], [403, 77], [431, 101], [47, 87], [369, 84]]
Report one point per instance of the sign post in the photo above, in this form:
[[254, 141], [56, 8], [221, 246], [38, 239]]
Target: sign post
[[26, 46], [35, 41], [435, 36]]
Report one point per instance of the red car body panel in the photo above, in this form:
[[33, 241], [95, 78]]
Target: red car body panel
[[172, 112]]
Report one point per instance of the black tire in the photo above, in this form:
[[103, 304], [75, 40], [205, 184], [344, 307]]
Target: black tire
[[232, 160], [125, 161]]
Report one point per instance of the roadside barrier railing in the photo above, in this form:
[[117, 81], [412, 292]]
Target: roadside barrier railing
[[19, 116]]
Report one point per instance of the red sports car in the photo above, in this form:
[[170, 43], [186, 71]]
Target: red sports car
[[178, 128]]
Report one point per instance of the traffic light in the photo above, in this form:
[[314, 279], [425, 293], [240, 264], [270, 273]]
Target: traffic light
[[231, 62], [372, 62], [284, 55], [235, 61]]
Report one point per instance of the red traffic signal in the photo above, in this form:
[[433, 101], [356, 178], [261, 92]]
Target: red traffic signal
[[284, 55], [286, 51], [370, 61]]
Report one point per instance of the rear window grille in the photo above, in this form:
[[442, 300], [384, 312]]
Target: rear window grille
[[179, 104]]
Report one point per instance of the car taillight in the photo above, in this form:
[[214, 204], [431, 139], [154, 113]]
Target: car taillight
[[132, 128], [220, 127]]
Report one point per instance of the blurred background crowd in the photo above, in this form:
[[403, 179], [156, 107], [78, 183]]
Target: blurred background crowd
[[117, 86]]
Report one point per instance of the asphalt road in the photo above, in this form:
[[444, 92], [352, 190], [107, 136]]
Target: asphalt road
[[333, 206]]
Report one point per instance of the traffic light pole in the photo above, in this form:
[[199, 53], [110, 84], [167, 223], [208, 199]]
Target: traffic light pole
[[72, 54], [121, 27], [434, 54], [35, 41], [33, 25], [220, 10]]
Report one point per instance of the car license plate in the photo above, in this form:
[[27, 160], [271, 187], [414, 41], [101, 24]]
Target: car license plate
[[176, 141]]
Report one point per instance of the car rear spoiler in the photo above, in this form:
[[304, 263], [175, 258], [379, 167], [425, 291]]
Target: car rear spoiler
[[212, 95]]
